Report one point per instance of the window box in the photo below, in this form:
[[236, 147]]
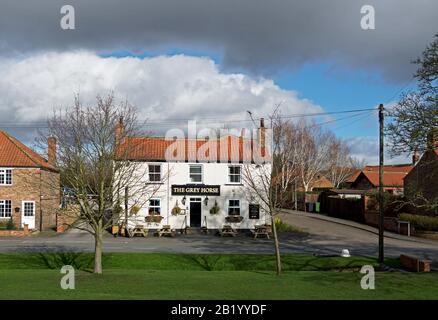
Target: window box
[[233, 219], [153, 218]]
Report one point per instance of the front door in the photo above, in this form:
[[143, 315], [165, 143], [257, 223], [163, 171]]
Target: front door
[[195, 212], [28, 214]]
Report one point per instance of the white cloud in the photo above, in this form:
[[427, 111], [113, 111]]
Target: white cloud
[[367, 149], [163, 87]]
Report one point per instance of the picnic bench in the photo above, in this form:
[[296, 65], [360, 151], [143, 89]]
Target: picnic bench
[[261, 230], [166, 231], [227, 230], [138, 230]]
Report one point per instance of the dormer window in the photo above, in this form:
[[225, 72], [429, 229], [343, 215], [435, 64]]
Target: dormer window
[[5, 177]]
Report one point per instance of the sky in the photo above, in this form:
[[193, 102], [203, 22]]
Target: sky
[[214, 60]]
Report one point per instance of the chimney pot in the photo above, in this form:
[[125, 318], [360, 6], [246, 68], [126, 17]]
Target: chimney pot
[[262, 122]]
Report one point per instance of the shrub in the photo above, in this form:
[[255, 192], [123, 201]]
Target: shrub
[[284, 227], [10, 225], [420, 222]]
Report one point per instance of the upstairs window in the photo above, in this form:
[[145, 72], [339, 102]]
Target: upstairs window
[[196, 173], [235, 174], [5, 177], [154, 207], [234, 207], [5, 208], [154, 173]]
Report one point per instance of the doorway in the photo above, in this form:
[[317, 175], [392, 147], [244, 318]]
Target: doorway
[[28, 214], [195, 212]]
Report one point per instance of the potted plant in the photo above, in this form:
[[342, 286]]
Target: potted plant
[[234, 218], [176, 211], [154, 217], [215, 209], [134, 210]]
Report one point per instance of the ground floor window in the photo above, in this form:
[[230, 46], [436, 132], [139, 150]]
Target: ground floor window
[[155, 207], [29, 209], [5, 208], [233, 207]]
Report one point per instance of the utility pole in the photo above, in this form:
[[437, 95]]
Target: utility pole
[[381, 162]]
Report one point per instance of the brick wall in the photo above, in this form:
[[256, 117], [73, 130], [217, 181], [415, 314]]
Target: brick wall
[[33, 184], [423, 177]]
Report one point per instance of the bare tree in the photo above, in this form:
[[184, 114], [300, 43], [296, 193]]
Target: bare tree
[[312, 147], [341, 165], [89, 140], [269, 182]]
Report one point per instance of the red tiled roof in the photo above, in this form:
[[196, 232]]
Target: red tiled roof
[[229, 148], [13, 153], [390, 179], [400, 168]]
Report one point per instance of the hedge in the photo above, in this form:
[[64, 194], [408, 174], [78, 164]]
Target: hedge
[[426, 223]]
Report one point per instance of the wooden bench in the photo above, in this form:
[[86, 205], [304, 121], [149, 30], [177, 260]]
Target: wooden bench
[[166, 231], [138, 230], [227, 230], [261, 231]]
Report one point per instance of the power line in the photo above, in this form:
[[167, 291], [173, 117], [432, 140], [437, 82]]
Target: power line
[[168, 122]]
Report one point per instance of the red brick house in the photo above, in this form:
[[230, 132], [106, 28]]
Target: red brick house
[[423, 178], [29, 184], [393, 175]]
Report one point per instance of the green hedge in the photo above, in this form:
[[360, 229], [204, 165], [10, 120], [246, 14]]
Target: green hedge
[[420, 222]]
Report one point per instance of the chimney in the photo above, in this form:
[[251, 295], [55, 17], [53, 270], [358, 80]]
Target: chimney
[[51, 150], [262, 137], [415, 157], [432, 139], [243, 133], [120, 131]]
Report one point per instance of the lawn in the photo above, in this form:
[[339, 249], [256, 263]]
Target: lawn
[[212, 276]]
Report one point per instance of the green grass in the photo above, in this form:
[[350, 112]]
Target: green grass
[[207, 276]]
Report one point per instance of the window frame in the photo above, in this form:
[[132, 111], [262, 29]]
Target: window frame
[[201, 174], [154, 173], [234, 207], [235, 174], [24, 202], [3, 172], [3, 215], [154, 207]]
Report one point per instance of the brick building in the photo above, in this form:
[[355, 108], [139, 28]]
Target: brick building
[[423, 178], [29, 184], [393, 175]]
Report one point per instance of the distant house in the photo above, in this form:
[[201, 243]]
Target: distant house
[[393, 175], [29, 184], [423, 178]]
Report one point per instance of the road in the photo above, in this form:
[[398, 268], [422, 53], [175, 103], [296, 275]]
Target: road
[[323, 237]]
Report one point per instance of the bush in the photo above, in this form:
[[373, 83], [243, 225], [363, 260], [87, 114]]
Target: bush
[[10, 225], [284, 227], [425, 223]]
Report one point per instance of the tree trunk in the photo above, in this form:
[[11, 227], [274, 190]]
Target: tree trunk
[[98, 251], [276, 245]]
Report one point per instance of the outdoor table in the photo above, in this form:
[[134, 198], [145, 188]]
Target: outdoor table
[[166, 231], [138, 230], [261, 231], [227, 230]]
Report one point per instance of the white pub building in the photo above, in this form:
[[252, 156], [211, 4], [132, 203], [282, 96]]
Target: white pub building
[[200, 182]]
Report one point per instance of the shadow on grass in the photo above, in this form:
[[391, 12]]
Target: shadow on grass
[[48, 260]]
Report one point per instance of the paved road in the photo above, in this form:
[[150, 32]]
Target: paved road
[[328, 234], [325, 237]]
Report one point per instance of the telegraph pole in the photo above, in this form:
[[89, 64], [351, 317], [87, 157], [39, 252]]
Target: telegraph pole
[[381, 162]]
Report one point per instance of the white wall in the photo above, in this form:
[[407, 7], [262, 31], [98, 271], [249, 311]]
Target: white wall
[[213, 174]]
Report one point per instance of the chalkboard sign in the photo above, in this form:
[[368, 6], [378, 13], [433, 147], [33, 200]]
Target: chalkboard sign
[[254, 211]]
